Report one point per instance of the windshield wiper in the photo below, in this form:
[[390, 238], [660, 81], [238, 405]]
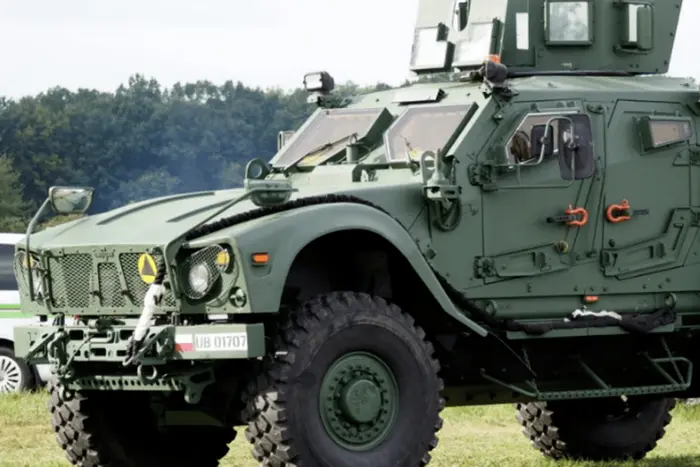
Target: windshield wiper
[[322, 147]]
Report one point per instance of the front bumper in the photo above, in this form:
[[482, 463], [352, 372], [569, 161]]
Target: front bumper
[[63, 345]]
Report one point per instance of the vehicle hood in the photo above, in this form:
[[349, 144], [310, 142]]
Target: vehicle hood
[[158, 221]]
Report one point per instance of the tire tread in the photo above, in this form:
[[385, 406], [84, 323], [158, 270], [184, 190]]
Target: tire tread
[[265, 397]]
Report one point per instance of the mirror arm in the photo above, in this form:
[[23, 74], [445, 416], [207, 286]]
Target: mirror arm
[[30, 228]]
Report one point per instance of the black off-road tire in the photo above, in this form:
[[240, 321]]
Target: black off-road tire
[[113, 429], [285, 425], [575, 430]]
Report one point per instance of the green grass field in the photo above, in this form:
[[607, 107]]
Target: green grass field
[[477, 436]]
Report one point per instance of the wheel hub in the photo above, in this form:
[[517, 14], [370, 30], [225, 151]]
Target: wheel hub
[[358, 401], [10, 375]]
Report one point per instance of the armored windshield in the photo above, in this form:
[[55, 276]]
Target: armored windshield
[[426, 128], [325, 133]]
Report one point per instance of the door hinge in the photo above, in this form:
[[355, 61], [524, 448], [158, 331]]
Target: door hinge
[[482, 175], [694, 155]]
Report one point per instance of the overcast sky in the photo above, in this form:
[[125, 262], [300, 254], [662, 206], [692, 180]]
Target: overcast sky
[[266, 43]]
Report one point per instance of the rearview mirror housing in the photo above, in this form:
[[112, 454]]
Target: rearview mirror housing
[[70, 200]]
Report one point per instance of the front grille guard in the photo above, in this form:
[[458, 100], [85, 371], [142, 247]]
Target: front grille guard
[[79, 281]]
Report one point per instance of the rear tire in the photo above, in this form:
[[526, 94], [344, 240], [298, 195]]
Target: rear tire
[[351, 381], [15, 374], [595, 429], [115, 428]]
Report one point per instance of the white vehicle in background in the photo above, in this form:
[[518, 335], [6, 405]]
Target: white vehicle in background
[[15, 374]]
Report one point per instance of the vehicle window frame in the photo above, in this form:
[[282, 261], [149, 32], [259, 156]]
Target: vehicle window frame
[[584, 137]]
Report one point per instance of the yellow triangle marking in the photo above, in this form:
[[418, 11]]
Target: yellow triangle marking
[[147, 268]]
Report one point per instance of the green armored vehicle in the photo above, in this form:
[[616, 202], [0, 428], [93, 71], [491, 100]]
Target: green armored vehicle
[[527, 233]]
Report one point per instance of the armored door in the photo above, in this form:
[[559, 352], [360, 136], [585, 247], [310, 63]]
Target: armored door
[[651, 195], [538, 209]]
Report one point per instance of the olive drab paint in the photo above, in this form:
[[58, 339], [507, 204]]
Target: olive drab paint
[[533, 223], [609, 36]]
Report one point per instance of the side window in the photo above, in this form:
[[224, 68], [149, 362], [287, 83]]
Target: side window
[[528, 146], [7, 274], [525, 147]]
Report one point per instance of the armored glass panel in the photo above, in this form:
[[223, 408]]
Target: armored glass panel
[[525, 145], [324, 129], [421, 129], [429, 52], [324, 153], [667, 132], [7, 275], [569, 22], [481, 11], [475, 44], [522, 31]]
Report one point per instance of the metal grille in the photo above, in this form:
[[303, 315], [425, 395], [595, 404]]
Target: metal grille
[[110, 289], [70, 280], [137, 288]]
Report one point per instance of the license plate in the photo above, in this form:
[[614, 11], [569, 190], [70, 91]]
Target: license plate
[[221, 342]]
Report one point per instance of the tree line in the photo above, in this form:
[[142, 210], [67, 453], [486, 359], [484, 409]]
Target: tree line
[[140, 141]]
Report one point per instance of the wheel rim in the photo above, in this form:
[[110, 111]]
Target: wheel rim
[[10, 375], [358, 401]]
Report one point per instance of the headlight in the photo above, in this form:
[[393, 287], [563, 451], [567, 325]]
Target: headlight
[[199, 279], [21, 269], [202, 271]]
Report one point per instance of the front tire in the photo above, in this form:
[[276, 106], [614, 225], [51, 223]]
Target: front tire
[[596, 429], [118, 428], [351, 382]]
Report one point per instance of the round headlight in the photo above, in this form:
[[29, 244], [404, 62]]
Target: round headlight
[[21, 270], [199, 278]]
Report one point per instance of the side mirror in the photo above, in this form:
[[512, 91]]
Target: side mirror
[[536, 135], [70, 200], [637, 26]]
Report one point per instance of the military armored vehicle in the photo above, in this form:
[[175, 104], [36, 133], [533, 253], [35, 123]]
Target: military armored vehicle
[[525, 233]]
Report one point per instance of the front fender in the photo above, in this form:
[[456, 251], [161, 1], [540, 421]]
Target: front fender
[[284, 235]]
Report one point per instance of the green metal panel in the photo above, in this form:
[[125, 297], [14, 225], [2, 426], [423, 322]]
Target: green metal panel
[[661, 229], [521, 242], [612, 36]]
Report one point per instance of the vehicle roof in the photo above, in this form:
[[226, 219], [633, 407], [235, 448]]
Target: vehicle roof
[[606, 84], [10, 238], [561, 85]]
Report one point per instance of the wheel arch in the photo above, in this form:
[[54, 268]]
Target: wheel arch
[[307, 238]]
